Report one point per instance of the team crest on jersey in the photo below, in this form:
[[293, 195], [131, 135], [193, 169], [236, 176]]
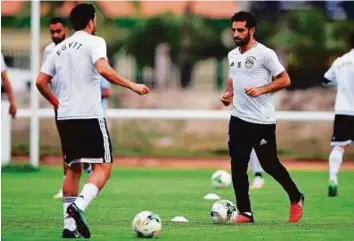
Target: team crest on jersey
[[250, 61]]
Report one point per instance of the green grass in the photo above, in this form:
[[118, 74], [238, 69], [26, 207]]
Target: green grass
[[30, 213]]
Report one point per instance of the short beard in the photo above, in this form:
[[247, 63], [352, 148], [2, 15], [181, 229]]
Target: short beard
[[58, 41], [243, 42]]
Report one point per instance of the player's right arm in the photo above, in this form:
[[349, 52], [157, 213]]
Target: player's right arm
[[44, 79], [10, 96], [7, 87], [226, 97], [99, 58]]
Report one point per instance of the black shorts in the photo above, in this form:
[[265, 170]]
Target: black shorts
[[85, 140], [343, 130]]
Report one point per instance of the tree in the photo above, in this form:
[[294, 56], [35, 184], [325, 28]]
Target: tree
[[310, 41], [190, 41]]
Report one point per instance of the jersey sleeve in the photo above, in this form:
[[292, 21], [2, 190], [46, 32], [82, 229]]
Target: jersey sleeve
[[99, 50], [44, 55], [331, 74], [272, 63], [3, 65], [48, 67]]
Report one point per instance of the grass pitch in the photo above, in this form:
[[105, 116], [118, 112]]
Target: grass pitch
[[29, 211]]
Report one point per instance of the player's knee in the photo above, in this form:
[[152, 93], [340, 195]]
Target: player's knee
[[74, 170], [336, 154]]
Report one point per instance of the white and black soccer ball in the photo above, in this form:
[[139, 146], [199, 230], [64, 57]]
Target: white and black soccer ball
[[223, 211], [221, 179], [147, 224]]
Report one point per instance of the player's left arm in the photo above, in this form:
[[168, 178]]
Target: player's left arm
[[281, 79]]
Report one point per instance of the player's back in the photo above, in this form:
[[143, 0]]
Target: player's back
[[341, 73], [77, 81], [345, 71]]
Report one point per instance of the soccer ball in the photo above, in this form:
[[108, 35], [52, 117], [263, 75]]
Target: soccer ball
[[223, 211], [147, 224], [221, 179]]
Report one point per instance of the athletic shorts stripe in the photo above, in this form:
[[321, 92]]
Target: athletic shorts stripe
[[107, 154]]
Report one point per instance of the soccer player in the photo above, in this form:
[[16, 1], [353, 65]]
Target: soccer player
[[58, 33], [252, 123], [6, 88], [258, 181], [78, 63], [341, 74]]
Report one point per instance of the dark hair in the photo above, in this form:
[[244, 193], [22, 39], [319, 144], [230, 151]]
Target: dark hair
[[351, 39], [57, 20], [81, 15], [244, 17]]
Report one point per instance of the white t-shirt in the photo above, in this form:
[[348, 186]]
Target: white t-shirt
[[47, 51], [3, 65], [341, 74], [253, 68], [77, 83]]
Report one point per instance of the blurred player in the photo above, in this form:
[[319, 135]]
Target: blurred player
[[258, 181], [341, 74], [252, 123], [77, 63], [8, 106], [58, 33]]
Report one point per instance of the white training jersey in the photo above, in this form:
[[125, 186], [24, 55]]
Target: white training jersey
[[341, 74], [47, 50], [254, 68], [77, 83], [3, 65]]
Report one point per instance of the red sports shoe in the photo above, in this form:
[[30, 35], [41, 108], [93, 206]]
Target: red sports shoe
[[296, 210], [244, 218]]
